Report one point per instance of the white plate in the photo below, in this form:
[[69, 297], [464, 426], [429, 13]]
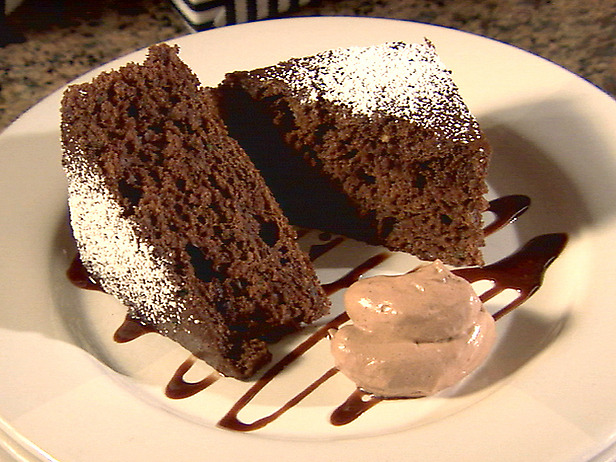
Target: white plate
[[69, 392]]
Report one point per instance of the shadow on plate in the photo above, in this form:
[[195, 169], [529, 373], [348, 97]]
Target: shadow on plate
[[570, 181]]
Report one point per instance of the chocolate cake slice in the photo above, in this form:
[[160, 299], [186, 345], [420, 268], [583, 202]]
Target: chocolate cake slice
[[374, 143], [171, 217]]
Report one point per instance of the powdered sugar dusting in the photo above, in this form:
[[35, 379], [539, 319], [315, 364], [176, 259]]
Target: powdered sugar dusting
[[406, 81], [109, 247]]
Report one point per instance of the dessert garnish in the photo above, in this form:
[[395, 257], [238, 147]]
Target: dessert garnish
[[413, 334]]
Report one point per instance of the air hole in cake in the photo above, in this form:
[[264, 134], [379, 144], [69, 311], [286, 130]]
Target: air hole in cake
[[322, 130], [420, 181], [182, 126], [204, 268], [145, 157], [224, 190], [446, 219], [268, 232], [216, 209], [272, 98], [238, 286], [133, 111], [180, 183], [284, 260], [155, 177], [226, 193], [129, 147], [366, 178], [155, 128], [349, 155], [225, 238], [131, 193]]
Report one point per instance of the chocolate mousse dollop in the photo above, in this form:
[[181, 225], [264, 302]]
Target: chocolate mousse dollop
[[414, 334]]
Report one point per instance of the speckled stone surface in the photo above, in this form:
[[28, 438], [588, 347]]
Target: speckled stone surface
[[63, 39]]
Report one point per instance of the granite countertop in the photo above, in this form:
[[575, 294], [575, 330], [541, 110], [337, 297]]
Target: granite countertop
[[50, 45]]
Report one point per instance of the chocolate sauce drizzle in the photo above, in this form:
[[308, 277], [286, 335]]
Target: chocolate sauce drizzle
[[506, 210], [231, 422], [130, 330], [522, 271], [355, 405], [79, 276], [178, 388]]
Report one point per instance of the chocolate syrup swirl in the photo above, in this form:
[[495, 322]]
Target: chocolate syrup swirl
[[130, 330], [79, 276], [522, 271], [231, 422], [178, 388], [355, 405], [506, 210]]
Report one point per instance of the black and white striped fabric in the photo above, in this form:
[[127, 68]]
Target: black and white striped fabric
[[205, 14]]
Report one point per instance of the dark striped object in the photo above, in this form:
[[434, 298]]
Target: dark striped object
[[205, 14]]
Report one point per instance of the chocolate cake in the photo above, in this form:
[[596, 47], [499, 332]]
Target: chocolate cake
[[171, 217], [374, 143]]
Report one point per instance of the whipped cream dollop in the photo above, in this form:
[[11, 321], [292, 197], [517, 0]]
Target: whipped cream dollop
[[414, 334]]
